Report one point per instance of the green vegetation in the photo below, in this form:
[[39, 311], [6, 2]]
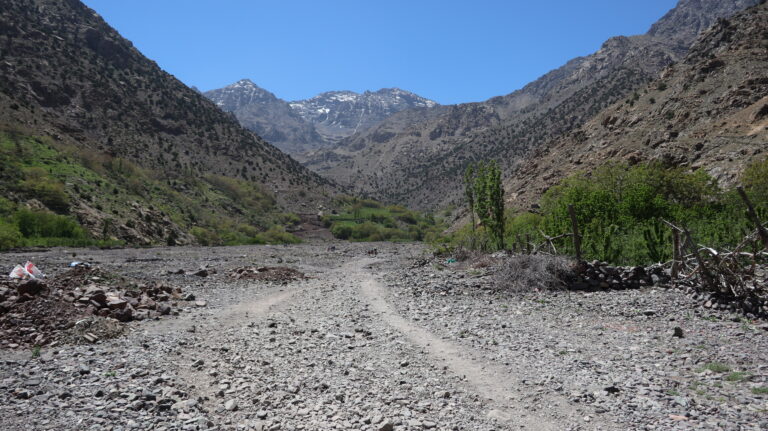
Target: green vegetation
[[484, 195], [619, 209], [51, 178], [738, 376], [21, 227], [762, 390], [715, 367], [368, 220]]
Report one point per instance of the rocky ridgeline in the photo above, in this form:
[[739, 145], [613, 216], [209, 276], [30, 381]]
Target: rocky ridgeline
[[36, 312]]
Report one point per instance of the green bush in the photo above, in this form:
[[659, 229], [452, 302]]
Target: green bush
[[342, 231], [368, 220], [522, 226], [6, 207], [9, 236], [48, 191], [288, 219], [755, 181], [205, 237], [365, 231], [619, 210], [408, 218], [38, 224], [277, 235]]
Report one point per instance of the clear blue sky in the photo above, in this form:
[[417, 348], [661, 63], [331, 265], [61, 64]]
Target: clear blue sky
[[449, 51]]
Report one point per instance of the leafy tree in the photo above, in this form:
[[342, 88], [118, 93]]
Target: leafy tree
[[755, 181], [488, 199], [469, 192]]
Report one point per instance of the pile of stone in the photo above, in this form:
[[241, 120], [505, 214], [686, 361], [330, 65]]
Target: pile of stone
[[105, 295], [271, 274], [597, 275], [752, 306], [34, 311]]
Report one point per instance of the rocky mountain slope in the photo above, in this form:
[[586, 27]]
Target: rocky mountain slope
[[146, 156], [709, 111], [271, 118], [302, 126], [339, 114], [418, 159]]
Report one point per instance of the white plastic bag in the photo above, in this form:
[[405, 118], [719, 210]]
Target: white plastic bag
[[33, 270], [19, 272]]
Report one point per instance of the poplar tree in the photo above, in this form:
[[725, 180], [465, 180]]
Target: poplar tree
[[487, 198]]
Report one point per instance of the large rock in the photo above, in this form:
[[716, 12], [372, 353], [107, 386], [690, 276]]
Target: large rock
[[31, 287]]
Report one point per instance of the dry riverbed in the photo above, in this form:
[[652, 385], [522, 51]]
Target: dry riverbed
[[370, 342]]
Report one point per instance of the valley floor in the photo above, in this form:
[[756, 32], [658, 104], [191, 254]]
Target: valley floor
[[391, 341]]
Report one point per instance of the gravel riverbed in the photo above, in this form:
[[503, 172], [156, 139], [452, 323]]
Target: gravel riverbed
[[374, 342]]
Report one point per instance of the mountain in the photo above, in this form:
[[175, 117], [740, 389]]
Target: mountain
[[417, 159], [709, 111], [303, 126], [338, 114], [271, 118], [139, 155]]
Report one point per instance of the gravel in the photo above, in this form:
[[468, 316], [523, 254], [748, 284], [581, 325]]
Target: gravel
[[373, 343], [649, 358]]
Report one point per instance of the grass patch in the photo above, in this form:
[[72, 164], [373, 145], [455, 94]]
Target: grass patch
[[736, 377], [715, 367], [761, 390]]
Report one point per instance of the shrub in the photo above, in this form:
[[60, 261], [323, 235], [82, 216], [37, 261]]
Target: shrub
[[278, 235], [48, 191], [9, 236], [408, 218], [368, 220], [6, 207], [619, 207], [526, 273], [327, 221], [38, 224], [242, 192], [755, 181], [205, 237], [289, 219], [365, 231], [522, 225], [342, 231]]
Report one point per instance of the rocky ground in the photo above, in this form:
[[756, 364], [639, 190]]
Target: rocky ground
[[365, 342]]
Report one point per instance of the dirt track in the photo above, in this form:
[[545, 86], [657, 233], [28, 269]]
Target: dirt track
[[341, 350]]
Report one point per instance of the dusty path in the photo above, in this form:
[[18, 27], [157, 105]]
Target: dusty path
[[488, 380], [341, 317]]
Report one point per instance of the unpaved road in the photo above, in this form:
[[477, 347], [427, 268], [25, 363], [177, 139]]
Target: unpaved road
[[341, 350]]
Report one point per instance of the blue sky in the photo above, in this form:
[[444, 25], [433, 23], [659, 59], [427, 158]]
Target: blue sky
[[449, 51]]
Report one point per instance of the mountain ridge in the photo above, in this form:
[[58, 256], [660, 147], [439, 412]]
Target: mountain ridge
[[418, 162], [302, 126], [71, 80], [672, 119]]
